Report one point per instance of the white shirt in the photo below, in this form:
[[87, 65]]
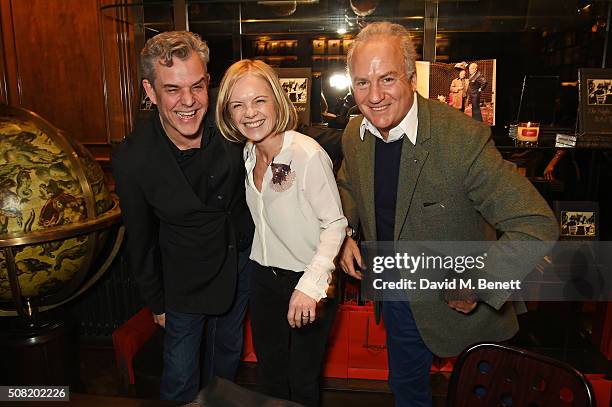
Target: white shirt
[[299, 224], [407, 126]]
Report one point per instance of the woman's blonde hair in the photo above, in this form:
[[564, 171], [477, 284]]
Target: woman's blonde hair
[[286, 114]]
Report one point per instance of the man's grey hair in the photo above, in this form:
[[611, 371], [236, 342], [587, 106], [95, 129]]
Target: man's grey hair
[[385, 28], [167, 45]]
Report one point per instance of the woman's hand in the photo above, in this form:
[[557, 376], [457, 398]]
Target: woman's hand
[[301, 309]]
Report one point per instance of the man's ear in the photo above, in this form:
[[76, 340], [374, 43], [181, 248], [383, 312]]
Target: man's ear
[[148, 87], [413, 81]]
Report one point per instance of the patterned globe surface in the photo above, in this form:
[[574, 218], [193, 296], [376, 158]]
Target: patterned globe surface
[[55, 211]]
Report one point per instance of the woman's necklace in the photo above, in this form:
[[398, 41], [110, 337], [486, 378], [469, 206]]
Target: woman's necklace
[[269, 161]]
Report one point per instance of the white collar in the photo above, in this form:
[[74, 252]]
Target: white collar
[[407, 126]]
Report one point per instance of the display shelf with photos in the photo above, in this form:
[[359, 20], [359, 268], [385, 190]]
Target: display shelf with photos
[[275, 47], [330, 47], [275, 52], [329, 54], [276, 60]]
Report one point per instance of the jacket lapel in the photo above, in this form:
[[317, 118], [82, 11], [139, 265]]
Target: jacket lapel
[[365, 155], [412, 160]]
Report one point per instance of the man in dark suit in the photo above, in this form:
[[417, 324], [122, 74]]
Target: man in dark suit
[[181, 186], [477, 83], [419, 170]]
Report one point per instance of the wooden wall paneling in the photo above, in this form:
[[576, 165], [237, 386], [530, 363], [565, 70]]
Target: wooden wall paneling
[[121, 38], [3, 78], [9, 79], [60, 64]]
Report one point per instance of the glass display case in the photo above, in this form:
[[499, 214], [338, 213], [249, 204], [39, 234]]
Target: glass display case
[[537, 46], [526, 38]]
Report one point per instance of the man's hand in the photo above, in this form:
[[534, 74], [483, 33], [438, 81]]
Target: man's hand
[[462, 300], [464, 307], [349, 253], [549, 172], [301, 309], [160, 319]]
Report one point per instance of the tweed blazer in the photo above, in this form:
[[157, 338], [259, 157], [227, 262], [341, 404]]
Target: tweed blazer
[[453, 186]]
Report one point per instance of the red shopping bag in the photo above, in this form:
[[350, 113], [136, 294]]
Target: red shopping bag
[[367, 355], [336, 361]]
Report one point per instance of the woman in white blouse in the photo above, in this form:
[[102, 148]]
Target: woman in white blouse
[[299, 228]]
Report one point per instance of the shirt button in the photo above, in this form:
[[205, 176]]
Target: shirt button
[[231, 247], [219, 197], [211, 176]]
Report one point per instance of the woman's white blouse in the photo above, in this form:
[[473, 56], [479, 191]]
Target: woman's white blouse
[[299, 224]]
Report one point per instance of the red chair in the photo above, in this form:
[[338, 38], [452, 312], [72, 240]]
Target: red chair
[[498, 375]]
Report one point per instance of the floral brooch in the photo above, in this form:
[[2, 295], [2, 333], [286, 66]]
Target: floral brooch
[[282, 176]]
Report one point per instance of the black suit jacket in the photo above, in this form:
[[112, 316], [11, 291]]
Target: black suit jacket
[[182, 251], [477, 84]]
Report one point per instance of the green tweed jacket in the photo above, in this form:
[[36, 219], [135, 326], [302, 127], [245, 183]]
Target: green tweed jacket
[[456, 166]]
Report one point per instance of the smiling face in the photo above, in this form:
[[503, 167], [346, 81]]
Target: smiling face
[[181, 95], [381, 88], [252, 108]]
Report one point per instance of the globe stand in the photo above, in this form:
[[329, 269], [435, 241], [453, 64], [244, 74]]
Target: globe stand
[[45, 353], [41, 348]]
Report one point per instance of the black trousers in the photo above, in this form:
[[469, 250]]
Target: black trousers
[[289, 360]]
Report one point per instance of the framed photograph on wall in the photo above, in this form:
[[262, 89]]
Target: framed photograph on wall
[[577, 256], [595, 100], [296, 82], [578, 220], [435, 81]]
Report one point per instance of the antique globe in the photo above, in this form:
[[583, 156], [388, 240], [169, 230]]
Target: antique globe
[[56, 216]]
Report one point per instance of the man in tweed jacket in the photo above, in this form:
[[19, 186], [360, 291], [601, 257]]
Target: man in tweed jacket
[[418, 170]]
